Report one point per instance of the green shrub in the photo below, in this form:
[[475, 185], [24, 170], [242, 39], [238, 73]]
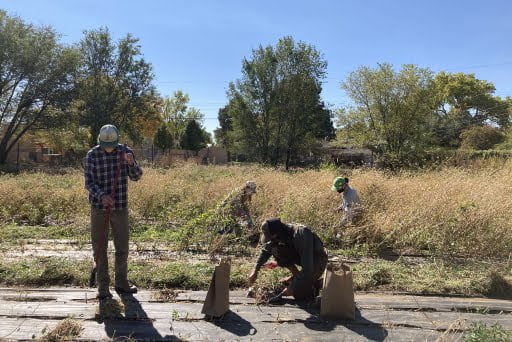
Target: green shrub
[[481, 137], [480, 332]]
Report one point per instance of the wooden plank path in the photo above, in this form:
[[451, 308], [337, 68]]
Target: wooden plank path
[[26, 312]]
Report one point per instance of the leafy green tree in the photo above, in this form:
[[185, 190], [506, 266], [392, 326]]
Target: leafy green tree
[[464, 102], [36, 79], [481, 137], [177, 114], [194, 137], [115, 85], [68, 139], [393, 110], [163, 138], [506, 144], [223, 134], [150, 123], [226, 125], [275, 112], [304, 119], [207, 137]]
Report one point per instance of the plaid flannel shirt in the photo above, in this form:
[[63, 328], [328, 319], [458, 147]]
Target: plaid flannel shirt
[[100, 172]]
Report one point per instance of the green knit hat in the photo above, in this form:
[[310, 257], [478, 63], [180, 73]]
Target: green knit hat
[[338, 182]]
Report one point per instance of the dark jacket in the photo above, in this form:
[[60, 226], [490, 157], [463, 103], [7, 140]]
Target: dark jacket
[[302, 244]]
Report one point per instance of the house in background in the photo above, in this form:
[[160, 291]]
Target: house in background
[[348, 156], [30, 151], [208, 155], [213, 155]]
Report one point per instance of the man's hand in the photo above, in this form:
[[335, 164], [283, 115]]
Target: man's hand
[[107, 201], [253, 277], [129, 158]]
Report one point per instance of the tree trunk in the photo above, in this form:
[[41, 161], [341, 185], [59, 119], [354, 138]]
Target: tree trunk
[[288, 156], [4, 144], [3, 152]]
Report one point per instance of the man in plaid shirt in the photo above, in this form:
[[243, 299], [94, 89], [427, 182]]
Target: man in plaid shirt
[[101, 166]]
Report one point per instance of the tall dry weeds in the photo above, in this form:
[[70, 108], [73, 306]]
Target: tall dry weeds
[[448, 211]]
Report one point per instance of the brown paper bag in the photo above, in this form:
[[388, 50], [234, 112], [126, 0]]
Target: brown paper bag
[[216, 303], [338, 294]]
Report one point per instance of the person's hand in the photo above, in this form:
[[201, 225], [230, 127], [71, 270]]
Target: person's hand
[[287, 292], [129, 158], [253, 277], [107, 201], [286, 281], [278, 299]]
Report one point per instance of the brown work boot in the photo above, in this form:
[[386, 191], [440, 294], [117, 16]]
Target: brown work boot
[[131, 289]]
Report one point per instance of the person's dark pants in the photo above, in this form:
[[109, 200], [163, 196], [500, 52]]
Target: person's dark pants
[[99, 235], [308, 287]]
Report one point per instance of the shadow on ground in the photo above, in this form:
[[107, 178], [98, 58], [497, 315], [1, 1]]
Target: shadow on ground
[[134, 324], [499, 287], [235, 324], [360, 325]]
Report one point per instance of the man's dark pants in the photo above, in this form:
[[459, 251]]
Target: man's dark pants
[[120, 234]]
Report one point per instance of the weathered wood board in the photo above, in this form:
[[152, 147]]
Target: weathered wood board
[[26, 312]]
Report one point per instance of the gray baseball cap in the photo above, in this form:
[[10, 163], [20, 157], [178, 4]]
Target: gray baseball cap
[[108, 137]]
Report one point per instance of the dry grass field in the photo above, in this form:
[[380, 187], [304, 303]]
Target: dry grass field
[[449, 211]]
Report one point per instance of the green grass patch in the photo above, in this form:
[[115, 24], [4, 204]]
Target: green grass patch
[[13, 233], [434, 276], [480, 332], [44, 272], [152, 233], [429, 277], [146, 274]]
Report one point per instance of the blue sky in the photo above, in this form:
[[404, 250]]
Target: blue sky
[[197, 46]]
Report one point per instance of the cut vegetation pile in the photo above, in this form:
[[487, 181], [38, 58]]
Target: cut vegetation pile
[[67, 330]]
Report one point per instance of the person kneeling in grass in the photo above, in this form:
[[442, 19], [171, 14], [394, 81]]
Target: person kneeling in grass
[[293, 245], [233, 211]]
